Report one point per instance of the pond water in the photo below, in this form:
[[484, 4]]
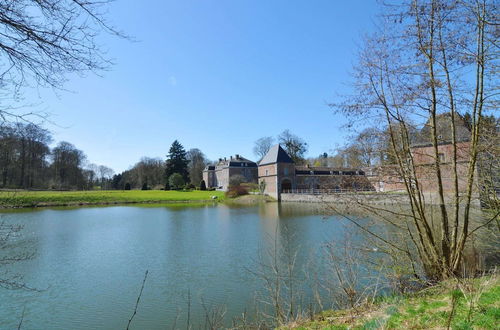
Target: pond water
[[90, 262]]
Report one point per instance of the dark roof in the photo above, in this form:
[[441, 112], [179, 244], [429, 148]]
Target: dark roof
[[236, 161], [276, 155]]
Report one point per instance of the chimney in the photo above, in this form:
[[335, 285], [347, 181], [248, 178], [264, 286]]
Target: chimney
[[232, 157], [237, 156]]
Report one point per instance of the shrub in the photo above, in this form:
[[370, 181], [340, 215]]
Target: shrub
[[127, 186], [176, 181], [236, 180], [236, 191], [145, 186], [189, 186], [203, 185]]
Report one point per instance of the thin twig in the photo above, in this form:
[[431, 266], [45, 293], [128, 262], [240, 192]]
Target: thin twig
[[138, 299]]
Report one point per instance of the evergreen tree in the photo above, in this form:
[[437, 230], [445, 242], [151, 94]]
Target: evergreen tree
[[177, 161], [203, 185]]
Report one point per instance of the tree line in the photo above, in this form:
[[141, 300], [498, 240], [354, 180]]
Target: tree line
[[28, 162], [181, 170]]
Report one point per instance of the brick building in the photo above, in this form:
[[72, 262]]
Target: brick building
[[387, 178], [280, 174]]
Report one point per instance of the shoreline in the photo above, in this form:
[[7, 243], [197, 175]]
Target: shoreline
[[75, 204]]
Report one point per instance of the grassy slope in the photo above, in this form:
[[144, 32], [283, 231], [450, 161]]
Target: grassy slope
[[429, 309], [58, 198]]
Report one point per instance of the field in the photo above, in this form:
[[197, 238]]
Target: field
[[9, 199]]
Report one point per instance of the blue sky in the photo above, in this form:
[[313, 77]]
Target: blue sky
[[216, 75]]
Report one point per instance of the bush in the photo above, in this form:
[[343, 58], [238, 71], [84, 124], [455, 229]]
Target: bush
[[127, 186], [236, 191], [189, 186], [176, 181], [203, 185], [145, 186], [236, 180]]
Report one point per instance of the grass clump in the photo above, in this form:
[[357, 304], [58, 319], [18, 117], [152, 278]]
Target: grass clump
[[455, 304]]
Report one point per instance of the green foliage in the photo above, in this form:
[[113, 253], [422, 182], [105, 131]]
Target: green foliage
[[177, 162], [262, 186], [189, 186], [127, 186], [145, 186], [176, 181]]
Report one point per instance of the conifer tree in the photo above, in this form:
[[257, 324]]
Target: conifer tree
[[177, 161]]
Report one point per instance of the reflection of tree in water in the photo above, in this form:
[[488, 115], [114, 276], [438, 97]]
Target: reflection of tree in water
[[10, 254]]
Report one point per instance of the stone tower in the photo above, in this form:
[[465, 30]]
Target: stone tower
[[277, 171]]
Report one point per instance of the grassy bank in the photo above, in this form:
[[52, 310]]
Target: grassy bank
[[11, 199], [471, 304]]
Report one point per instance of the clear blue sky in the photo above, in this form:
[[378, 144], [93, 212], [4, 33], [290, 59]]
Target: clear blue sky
[[216, 75]]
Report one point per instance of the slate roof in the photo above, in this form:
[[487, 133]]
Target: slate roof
[[276, 155]]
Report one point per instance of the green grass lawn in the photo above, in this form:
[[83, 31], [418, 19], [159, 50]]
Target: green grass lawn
[[62, 198], [476, 306]]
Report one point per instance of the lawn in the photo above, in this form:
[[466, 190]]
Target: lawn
[[63, 198]]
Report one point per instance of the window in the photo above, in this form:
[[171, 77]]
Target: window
[[267, 172], [285, 170], [441, 157]]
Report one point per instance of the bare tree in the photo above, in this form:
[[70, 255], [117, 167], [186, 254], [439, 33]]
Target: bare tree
[[294, 145], [105, 173], [42, 41], [262, 146], [412, 71], [197, 162]]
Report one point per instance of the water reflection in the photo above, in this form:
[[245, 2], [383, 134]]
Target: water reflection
[[92, 260]]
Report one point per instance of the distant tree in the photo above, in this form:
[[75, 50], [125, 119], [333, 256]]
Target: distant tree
[[176, 181], [197, 162], [262, 146], [294, 146], [203, 185], [177, 161], [127, 186], [67, 163], [116, 181], [145, 186], [105, 173]]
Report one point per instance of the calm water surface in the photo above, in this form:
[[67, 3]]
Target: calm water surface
[[90, 262]]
